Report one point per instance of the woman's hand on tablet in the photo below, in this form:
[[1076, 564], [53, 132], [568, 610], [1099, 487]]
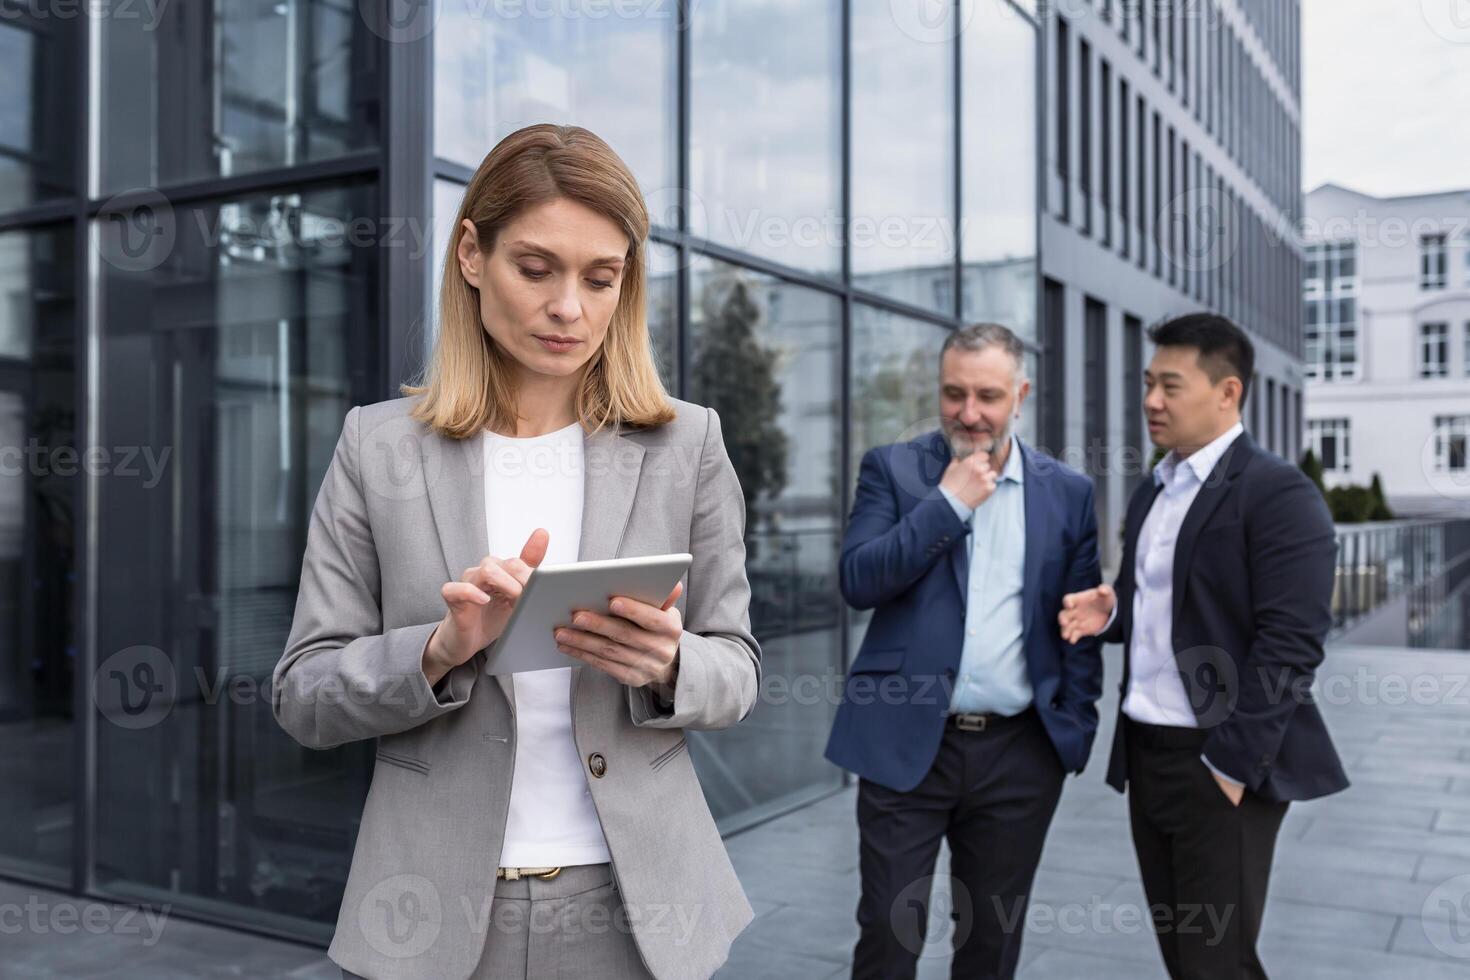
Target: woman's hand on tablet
[[480, 604], [638, 645]]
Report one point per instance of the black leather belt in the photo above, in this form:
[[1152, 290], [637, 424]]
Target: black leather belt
[[981, 720]]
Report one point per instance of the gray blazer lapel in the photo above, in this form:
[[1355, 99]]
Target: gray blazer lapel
[[457, 499], [612, 463]]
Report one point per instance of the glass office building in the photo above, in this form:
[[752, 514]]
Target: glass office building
[[220, 228]]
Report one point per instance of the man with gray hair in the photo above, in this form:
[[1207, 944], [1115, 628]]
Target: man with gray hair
[[964, 709]]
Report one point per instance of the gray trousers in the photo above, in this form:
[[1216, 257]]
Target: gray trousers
[[571, 927]]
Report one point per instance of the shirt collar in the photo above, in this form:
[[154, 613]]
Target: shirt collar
[[1202, 461], [1015, 470]]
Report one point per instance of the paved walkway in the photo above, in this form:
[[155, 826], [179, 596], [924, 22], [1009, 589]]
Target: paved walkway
[[1372, 882]]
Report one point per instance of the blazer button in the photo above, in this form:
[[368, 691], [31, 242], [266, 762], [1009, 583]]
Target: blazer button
[[597, 765]]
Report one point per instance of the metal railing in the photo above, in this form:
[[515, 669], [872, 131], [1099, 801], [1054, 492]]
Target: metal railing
[[1424, 563]]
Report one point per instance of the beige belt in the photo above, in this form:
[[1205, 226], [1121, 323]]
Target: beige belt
[[515, 874]]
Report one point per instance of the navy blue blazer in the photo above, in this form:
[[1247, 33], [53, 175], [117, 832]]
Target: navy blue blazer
[[1253, 573], [906, 555]]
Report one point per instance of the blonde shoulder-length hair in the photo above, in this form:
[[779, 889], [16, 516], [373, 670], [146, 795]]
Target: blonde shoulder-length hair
[[469, 382]]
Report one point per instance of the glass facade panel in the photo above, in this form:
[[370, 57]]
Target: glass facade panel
[[608, 67], [998, 142], [38, 114], [766, 355], [903, 132], [895, 395], [40, 480], [228, 362], [765, 155], [191, 90]]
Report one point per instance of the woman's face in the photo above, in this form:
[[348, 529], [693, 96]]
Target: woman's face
[[548, 285]]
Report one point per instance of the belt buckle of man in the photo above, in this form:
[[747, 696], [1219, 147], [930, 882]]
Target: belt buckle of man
[[515, 874], [971, 722]]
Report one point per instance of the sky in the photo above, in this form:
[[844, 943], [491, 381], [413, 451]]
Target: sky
[[1386, 95]]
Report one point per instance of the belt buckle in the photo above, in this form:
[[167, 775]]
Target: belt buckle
[[971, 722], [515, 874]]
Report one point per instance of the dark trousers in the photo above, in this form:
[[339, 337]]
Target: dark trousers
[[991, 794], [1206, 862]]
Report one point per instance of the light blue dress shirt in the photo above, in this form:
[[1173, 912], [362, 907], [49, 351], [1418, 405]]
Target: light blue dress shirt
[[992, 675]]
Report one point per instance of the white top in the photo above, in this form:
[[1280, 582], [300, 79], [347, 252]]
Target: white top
[[531, 483], [1156, 693]]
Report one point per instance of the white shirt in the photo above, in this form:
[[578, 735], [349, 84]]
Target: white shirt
[[1156, 693], [531, 483]]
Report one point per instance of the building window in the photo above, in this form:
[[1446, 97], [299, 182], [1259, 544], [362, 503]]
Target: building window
[[1331, 442], [1064, 114], [1330, 331], [1433, 262], [1105, 189], [1434, 350], [1451, 439], [1271, 415], [1142, 163], [1125, 106], [1084, 137], [1133, 399]]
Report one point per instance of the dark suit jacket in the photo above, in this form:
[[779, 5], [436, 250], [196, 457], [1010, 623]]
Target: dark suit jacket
[[906, 555], [1253, 573]]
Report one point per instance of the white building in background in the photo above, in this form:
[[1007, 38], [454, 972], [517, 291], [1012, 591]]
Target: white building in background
[[1387, 344]]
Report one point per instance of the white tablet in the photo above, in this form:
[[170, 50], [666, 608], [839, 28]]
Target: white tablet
[[552, 592]]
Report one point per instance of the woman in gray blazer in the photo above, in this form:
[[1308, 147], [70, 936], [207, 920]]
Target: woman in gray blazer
[[549, 825]]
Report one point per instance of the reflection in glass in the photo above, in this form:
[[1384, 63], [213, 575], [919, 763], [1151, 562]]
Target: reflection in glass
[[765, 147], [261, 83], [662, 277], [229, 366], [902, 231], [895, 395], [499, 67], [38, 113], [998, 132], [766, 355], [40, 480]]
